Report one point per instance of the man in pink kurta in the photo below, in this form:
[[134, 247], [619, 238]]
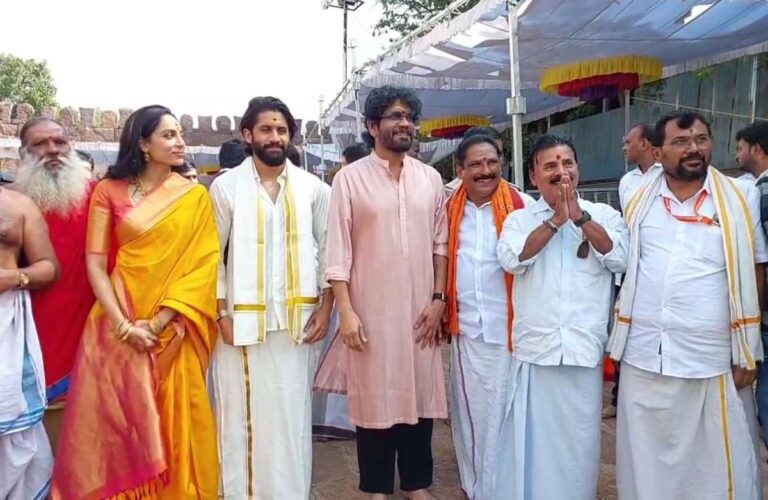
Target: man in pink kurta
[[386, 260]]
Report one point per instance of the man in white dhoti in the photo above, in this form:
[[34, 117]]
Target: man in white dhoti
[[26, 461], [687, 329], [563, 251], [479, 307], [273, 216]]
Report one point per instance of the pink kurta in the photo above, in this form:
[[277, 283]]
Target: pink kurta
[[382, 235]]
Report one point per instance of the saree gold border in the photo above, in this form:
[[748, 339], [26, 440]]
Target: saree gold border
[[726, 437], [248, 422], [152, 208]]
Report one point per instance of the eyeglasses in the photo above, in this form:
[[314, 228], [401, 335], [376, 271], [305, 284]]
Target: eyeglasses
[[398, 116], [701, 141]]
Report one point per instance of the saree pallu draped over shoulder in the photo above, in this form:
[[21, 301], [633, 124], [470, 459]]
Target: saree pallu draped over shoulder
[[140, 425]]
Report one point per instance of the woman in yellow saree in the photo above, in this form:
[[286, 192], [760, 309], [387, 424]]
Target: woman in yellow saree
[[138, 423]]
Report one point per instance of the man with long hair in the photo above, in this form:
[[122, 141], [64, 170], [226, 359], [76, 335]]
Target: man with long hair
[[387, 261], [57, 179], [273, 305]]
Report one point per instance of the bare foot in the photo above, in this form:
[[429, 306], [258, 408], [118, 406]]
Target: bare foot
[[378, 496], [419, 495]]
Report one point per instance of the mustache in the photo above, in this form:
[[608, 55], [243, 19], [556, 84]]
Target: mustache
[[693, 156], [556, 179], [488, 177]]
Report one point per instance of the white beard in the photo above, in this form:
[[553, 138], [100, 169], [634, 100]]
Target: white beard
[[62, 192]]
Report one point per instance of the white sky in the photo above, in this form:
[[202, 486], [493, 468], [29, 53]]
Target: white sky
[[198, 58]]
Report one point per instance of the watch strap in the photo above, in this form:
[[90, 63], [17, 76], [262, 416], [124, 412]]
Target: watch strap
[[439, 296], [585, 217]]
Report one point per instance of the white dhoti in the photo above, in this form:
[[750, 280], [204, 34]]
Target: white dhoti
[[549, 441], [682, 439], [474, 391], [263, 407], [747, 396], [26, 462]]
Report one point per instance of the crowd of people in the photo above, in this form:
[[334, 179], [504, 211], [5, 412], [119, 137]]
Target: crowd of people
[[161, 340]]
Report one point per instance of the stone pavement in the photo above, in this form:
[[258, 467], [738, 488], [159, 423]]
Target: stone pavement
[[335, 466]]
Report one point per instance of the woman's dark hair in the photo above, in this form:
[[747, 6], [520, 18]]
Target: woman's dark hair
[[382, 98], [139, 126], [472, 140], [355, 151], [548, 142], [258, 105]]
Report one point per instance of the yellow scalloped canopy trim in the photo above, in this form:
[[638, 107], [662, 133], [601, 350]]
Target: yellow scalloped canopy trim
[[427, 126], [647, 68]]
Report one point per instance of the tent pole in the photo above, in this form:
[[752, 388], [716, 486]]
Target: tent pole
[[516, 101], [627, 100]]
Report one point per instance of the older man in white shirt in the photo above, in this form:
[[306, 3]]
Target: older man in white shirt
[[563, 252], [479, 307], [687, 331]]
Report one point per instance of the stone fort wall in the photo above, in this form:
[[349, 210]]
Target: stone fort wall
[[95, 125]]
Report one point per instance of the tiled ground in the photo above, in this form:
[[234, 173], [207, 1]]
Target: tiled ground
[[335, 467]]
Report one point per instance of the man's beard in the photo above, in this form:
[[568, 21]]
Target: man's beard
[[63, 191], [392, 143], [271, 158], [683, 173], [746, 166]]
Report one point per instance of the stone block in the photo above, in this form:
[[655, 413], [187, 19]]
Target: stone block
[[24, 112], [238, 120], [124, 114], [223, 124], [48, 112], [108, 119], [6, 108], [8, 130], [68, 117], [87, 117], [205, 123], [187, 123], [102, 134]]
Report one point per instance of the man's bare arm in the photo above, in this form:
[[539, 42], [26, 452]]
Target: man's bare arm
[[43, 268]]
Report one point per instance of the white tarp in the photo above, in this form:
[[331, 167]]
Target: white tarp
[[462, 66]]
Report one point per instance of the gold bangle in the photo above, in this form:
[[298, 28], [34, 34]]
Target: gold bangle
[[123, 329], [154, 325]]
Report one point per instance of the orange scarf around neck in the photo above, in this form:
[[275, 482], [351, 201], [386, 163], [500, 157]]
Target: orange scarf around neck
[[504, 201]]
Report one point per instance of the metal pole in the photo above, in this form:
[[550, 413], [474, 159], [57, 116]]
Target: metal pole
[[322, 146], [346, 73], [356, 90], [753, 89], [627, 98], [516, 101]]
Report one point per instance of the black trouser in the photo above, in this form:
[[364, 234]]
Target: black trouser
[[377, 450]]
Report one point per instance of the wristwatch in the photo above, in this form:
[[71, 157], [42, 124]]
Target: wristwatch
[[551, 225], [585, 217], [23, 280], [438, 296]]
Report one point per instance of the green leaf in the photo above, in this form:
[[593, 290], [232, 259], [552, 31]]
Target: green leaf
[[26, 81]]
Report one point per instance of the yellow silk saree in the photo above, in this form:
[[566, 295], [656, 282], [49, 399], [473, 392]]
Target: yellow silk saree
[[140, 425]]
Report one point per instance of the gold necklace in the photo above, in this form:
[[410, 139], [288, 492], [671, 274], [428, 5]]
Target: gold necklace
[[139, 190]]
